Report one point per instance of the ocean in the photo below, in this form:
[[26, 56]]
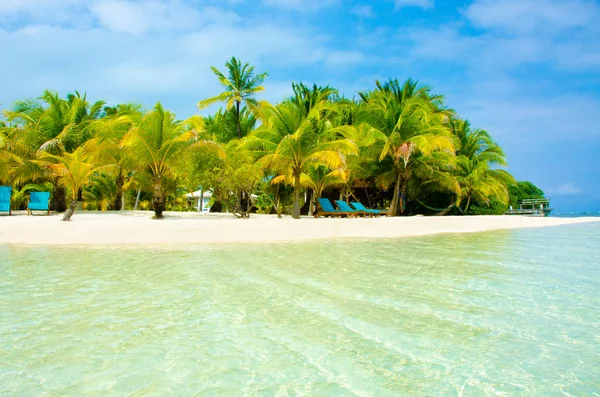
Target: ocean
[[513, 312]]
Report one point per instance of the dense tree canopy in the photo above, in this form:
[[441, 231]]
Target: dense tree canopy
[[397, 146]]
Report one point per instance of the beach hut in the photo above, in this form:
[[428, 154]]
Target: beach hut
[[201, 199]]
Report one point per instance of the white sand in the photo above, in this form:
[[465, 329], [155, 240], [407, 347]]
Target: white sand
[[137, 227]]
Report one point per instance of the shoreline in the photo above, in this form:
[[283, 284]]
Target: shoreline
[[138, 228]]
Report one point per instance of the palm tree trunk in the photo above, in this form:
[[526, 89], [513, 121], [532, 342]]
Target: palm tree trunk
[[368, 198], [277, 203], [201, 206], [467, 207], [137, 199], [296, 206], [393, 211], [402, 200], [158, 200], [237, 119], [118, 199], [312, 202], [59, 196]]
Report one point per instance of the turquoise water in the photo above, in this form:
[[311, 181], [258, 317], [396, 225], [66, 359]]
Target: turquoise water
[[502, 313]]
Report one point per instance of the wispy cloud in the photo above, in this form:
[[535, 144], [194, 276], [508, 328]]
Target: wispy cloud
[[413, 3], [301, 5], [566, 189], [527, 16], [363, 11]]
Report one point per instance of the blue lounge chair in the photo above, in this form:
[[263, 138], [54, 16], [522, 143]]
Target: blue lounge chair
[[5, 192], [39, 201], [342, 205], [328, 209], [361, 207]]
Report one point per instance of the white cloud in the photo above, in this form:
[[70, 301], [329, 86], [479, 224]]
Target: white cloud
[[530, 120], [139, 17], [301, 5], [567, 189], [363, 11], [45, 12], [111, 63], [344, 58], [526, 16], [413, 3]]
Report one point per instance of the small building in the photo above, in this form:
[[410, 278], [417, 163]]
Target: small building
[[201, 199], [532, 207]]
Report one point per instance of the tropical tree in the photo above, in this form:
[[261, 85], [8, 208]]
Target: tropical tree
[[156, 143], [101, 191], [319, 178], [72, 170], [409, 123], [241, 86], [291, 142], [54, 125], [524, 190], [106, 147], [233, 174], [477, 171]]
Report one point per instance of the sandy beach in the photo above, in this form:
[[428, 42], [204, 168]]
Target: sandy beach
[[138, 227]]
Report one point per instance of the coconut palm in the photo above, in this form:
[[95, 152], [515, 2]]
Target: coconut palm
[[101, 191], [478, 157], [106, 147], [156, 143], [241, 86], [55, 125], [409, 123], [292, 142], [72, 170], [17, 163], [319, 178], [307, 98]]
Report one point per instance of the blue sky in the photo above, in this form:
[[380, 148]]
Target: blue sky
[[528, 71]]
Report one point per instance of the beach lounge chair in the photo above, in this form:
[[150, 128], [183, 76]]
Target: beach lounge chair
[[5, 192], [39, 201], [361, 207], [342, 205], [328, 209]]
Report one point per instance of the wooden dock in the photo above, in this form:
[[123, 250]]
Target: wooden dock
[[531, 207]]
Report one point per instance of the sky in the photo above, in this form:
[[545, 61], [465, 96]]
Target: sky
[[527, 71]]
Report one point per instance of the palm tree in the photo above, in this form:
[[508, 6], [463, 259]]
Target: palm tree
[[156, 143], [292, 142], [106, 147], [409, 122], [55, 125], [101, 191], [241, 86], [319, 178], [478, 157], [73, 170]]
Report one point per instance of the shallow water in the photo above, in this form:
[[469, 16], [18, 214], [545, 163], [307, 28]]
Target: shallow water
[[502, 313]]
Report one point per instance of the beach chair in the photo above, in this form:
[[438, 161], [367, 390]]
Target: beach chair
[[361, 207], [342, 205], [328, 209], [39, 201], [5, 192]]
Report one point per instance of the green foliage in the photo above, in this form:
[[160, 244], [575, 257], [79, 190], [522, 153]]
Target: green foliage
[[241, 86], [265, 198], [523, 190], [397, 145], [493, 208], [477, 172], [406, 124]]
